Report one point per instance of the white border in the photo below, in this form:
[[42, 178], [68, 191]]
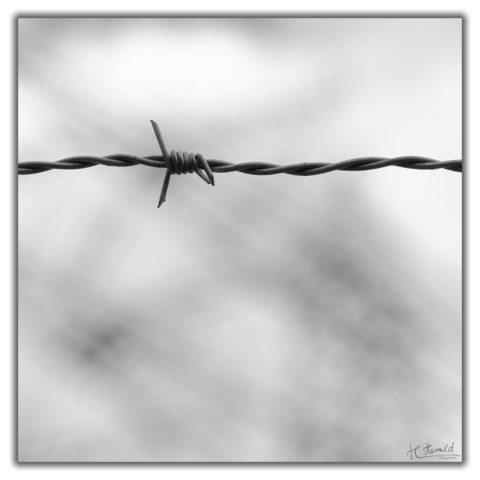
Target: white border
[[470, 9]]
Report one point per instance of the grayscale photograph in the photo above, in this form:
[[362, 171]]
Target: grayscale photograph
[[239, 240]]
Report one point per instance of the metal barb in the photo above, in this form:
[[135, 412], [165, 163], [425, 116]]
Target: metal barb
[[178, 162], [166, 158]]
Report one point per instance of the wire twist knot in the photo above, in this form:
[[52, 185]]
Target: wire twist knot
[[184, 162], [179, 163]]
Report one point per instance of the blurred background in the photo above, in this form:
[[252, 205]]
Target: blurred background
[[279, 318]]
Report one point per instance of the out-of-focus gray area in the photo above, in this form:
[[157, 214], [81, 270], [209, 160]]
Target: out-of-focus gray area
[[271, 318]]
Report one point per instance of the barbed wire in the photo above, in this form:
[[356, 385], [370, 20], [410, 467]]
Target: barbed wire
[[251, 168], [183, 162]]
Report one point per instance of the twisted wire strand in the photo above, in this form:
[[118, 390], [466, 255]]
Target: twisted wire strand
[[250, 168], [177, 162]]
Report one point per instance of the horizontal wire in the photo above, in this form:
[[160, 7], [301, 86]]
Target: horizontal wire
[[250, 168]]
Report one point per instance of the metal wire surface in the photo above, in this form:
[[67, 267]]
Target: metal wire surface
[[251, 168], [179, 163]]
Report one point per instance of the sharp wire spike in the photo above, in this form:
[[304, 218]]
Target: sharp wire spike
[[163, 194], [166, 158], [207, 169]]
